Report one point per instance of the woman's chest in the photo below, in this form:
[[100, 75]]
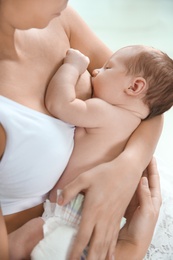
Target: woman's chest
[[40, 53]]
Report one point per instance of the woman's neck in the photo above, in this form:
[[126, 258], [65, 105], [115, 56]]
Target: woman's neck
[[7, 42]]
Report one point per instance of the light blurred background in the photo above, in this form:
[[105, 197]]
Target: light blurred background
[[124, 22]]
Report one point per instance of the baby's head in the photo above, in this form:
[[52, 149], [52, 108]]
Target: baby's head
[[156, 68]]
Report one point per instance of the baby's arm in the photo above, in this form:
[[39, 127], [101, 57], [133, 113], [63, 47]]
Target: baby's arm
[[61, 94], [61, 100]]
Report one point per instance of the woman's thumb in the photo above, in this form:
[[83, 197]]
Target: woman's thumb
[[69, 192], [144, 193]]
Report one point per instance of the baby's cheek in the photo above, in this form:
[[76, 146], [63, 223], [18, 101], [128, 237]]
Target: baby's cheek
[[83, 86]]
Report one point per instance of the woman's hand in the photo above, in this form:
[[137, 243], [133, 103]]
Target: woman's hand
[[141, 214], [107, 196]]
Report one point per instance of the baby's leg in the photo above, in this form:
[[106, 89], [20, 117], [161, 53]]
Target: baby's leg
[[24, 239]]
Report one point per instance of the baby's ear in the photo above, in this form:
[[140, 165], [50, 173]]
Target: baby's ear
[[137, 87]]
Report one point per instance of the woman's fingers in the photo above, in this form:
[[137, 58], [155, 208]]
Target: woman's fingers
[[103, 242], [96, 230], [154, 184], [111, 252], [85, 232], [81, 240], [144, 195]]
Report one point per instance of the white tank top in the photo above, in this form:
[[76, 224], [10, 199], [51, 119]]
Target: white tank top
[[37, 151]]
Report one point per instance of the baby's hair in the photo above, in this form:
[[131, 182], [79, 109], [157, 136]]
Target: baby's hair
[[156, 68]]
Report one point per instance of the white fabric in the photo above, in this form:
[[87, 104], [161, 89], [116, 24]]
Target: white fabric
[[37, 151], [60, 229], [161, 247], [56, 245]]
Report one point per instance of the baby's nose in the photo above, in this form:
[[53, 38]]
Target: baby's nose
[[95, 72]]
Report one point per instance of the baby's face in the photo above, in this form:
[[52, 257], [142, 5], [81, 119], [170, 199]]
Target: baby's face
[[109, 81]]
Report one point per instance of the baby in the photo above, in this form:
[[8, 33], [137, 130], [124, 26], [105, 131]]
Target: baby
[[134, 84]]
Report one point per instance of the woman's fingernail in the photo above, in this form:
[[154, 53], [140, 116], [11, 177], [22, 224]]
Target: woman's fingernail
[[144, 181], [113, 257], [60, 199]]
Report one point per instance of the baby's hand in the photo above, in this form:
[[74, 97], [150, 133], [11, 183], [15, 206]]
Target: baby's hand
[[77, 59]]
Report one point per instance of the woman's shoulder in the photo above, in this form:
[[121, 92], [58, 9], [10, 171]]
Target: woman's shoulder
[[68, 20]]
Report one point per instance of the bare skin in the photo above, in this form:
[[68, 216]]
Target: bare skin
[[32, 94], [133, 239], [104, 122], [28, 59], [4, 250]]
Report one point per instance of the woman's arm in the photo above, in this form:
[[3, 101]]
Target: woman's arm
[[3, 232], [141, 215], [108, 190], [4, 252]]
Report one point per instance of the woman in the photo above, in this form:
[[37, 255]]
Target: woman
[[28, 134]]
